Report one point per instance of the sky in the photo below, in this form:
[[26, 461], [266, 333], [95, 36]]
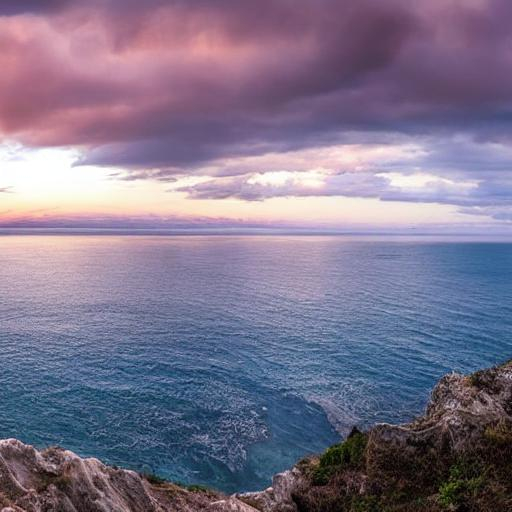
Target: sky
[[386, 115]]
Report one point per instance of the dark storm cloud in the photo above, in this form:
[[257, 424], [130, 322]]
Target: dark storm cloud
[[166, 87], [15, 7], [176, 83]]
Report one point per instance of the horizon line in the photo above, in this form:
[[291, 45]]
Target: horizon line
[[245, 231]]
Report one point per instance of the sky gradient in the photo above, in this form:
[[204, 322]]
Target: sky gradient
[[313, 113]]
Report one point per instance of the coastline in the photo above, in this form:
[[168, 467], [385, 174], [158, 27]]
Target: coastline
[[456, 456]]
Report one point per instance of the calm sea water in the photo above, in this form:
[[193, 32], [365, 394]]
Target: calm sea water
[[221, 360]]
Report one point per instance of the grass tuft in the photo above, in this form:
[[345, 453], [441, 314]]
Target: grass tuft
[[349, 454]]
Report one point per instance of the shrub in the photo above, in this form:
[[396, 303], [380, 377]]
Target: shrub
[[478, 379], [366, 504], [197, 488], [500, 434], [154, 479], [349, 454], [465, 480]]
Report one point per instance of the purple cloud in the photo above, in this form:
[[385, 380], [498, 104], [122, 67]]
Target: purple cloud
[[163, 84], [166, 88]]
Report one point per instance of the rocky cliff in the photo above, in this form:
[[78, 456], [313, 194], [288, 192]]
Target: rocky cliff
[[457, 456], [58, 480]]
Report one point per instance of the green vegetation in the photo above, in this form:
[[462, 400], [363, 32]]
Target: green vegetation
[[500, 434], [457, 458], [365, 504], [460, 461], [465, 481], [349, 454], [356, 477]]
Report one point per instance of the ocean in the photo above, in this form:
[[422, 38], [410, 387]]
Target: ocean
[[222, 360]]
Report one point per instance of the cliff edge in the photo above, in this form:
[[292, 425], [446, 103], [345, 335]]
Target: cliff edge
[[456, 457], [57, 480]]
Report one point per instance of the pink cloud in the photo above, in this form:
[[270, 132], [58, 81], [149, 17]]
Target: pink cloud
[[170, 84]]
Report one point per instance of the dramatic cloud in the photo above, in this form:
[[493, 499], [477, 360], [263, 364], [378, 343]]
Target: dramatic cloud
[[473, 176], [166, 88], [13, 7]]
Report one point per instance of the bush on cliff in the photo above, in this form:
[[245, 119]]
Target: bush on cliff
[[349, 454]]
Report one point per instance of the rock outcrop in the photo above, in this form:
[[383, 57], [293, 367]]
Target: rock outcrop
[[457, 456], [58, 480], [279, 497], [460, 409]]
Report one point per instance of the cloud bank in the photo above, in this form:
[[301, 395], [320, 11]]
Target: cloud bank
[[237, 90]]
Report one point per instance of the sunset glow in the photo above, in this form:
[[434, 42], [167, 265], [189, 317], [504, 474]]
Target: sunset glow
[[220, 114]]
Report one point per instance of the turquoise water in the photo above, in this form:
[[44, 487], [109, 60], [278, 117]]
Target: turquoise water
[[221, 360]]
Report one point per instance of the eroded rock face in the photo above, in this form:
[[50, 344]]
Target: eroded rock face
[[460, 413], [58, 480], [456, 456], [279, 497], [460, 410]]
